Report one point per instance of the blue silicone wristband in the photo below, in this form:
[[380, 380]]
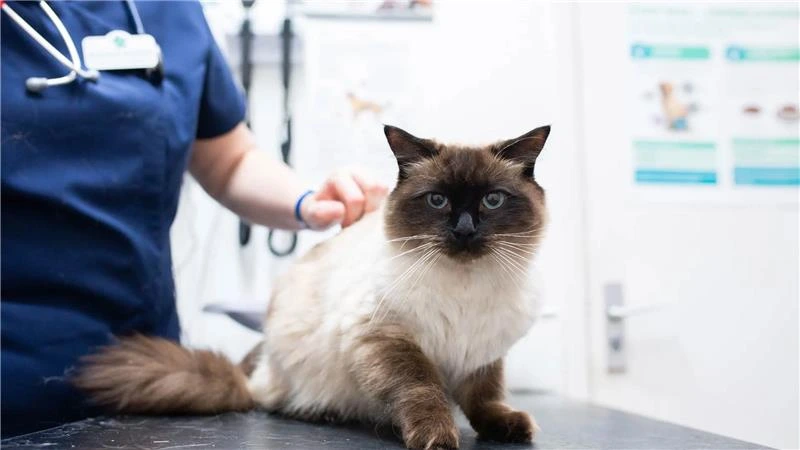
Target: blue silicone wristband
[[297, 206]]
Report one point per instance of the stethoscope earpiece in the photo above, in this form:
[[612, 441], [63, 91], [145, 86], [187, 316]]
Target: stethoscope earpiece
[[36, 85]]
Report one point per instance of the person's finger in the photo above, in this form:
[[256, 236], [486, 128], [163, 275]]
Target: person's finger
[[322, 214], [346, 190], [374, 191]]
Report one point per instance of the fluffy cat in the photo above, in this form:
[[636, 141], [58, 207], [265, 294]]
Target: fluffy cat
[[411, 307]]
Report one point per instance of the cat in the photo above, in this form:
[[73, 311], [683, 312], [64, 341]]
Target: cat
[[408, 309]]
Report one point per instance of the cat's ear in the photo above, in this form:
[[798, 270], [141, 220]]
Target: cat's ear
[[524, 149], [408, 148]]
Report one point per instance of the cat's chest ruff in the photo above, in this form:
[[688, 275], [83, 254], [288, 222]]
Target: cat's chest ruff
[[467, 318]]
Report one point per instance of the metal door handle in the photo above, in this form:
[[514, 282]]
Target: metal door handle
[[548, 312], [616, 315], [619, 312]]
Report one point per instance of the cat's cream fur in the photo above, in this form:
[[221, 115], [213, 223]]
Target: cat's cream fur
[[465, 316]]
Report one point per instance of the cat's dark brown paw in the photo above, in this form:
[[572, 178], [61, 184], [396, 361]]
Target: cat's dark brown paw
[[432, 434], [508, 426]]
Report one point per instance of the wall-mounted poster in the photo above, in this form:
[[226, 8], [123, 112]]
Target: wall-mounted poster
[[713, 101]]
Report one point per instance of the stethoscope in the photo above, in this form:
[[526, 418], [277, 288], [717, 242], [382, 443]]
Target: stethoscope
[[73, 63], [246, 35]]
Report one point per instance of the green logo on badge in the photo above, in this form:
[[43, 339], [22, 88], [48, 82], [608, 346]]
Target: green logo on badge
[[119, 41]]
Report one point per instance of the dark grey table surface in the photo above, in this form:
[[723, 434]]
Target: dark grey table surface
[[565, 424]]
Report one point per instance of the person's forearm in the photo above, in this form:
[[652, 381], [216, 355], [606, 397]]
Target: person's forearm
[[263, 190], [247, 181]]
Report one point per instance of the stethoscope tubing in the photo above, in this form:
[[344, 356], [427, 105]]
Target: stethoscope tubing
[[75, 63], [286, 145]]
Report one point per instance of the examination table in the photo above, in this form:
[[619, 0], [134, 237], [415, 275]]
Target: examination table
[[566, 424]]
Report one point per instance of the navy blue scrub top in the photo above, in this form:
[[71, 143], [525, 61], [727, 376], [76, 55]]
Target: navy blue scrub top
[[91, 174]]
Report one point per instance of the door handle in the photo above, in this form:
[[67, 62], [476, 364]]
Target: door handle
[[616, 312], [548, 312], [619, 312]]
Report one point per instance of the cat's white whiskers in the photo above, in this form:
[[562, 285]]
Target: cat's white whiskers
[[410, 238], [408, 272], [521, 244], [522, 240], [525, 256], [521, 234], [507, 272], [500, 264], [406, 239], [522, 260], [513, 251], [514, 260], [421, 274], [510, 264], [398, 281], [425, 269], [424, 246], [518, 265], [515, 247]]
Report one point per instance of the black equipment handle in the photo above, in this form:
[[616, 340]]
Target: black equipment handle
[[246, 55], [286, 145]]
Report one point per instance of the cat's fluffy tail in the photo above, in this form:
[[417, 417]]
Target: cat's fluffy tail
[[145, 375]]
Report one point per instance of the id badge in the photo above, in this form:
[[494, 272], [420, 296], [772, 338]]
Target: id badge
[[120, 50]]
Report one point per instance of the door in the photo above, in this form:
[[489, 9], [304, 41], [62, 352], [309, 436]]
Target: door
[[692, 260]]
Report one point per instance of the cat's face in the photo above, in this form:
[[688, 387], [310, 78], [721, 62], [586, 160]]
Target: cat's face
[[467, 202]]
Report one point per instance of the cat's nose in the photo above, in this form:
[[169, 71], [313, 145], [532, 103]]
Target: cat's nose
[[465, 228]]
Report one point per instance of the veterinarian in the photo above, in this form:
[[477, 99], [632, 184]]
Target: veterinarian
[[92, 163]]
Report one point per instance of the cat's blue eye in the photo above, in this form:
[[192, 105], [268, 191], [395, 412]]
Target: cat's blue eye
[[435, 200], [494, 199]]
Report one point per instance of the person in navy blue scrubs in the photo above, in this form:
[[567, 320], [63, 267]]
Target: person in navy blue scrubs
[[91, 173]]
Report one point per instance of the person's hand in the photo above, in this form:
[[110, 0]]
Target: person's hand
[[343, 199]]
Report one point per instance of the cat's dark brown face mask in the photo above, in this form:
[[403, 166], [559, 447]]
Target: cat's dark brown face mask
[[467, 202]]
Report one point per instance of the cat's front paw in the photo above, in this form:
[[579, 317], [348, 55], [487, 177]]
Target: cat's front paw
[[508, 426], [434, 433]]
